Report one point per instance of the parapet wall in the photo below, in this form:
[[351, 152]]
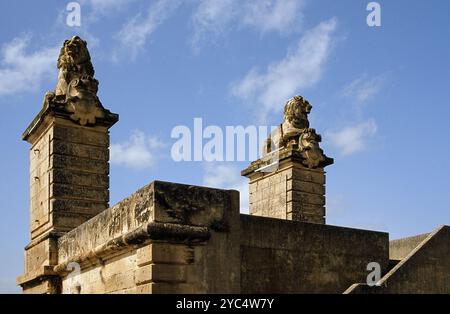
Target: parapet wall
[[174, 238], [426, 269], [280, 256], [165, 238], [400, 248]]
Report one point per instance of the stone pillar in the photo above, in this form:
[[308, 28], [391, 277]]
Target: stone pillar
[[69, 165], [292, 191], [288, 182]]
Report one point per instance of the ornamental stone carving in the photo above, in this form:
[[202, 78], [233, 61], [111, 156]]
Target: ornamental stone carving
[[76, 89], [294, 133]]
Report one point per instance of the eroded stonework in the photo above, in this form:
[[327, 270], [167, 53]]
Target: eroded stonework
[[177, 238], [295, 133], [76, 90]]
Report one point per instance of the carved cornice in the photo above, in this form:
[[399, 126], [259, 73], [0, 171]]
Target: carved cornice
[[155, 231]]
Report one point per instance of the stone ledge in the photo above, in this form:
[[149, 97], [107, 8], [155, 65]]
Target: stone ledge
[[152, 231], [38, 274], [285, 154], [159, 202], [52, 110]]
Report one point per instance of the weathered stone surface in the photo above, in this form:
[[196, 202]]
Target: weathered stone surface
[[399, 249], [295, 134], [81, 135], [114, 275], [64, 147], [291, 192], [179, 253], [165, 253], [78, 163], [69, 160], [166, 288], [175, 238], [161, 273], [79, 178], [424, 270], [279, 256], [192, 205]]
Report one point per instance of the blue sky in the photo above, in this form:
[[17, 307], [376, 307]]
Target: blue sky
[[380, 97]]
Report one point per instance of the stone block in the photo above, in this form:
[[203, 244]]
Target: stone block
[[79, 178], [160, 273], [165, 288], [82, 135], [79, 164], [305, 186], [165, 253], [80, 150], [309, 175], [308, 198]]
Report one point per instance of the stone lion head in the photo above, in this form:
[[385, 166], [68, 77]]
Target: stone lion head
[[73, 52], [296, 112]]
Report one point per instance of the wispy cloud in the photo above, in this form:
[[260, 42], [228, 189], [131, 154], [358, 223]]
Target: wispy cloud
[[139, 151], [22, 70], [106, 6], [301, 68], [213, 18], [363, 89], [355, 137], [226, 176], [134, 34], [93, 10], [281, 16], [352, 139]]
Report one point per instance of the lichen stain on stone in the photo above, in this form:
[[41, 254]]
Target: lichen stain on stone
[[142, 206], [115, 225], [183, 203]]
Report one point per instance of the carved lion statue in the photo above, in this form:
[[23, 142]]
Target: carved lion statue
[[296, 112], [77, 88], [74, 61]]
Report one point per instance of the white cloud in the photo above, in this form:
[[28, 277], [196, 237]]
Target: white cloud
[[107, 5], [213, 18], [100, 8], [135, 33], [225, 176], [273, 15], [22, 71], [363, 89], [139, 152], [301, 68], [352, 139]]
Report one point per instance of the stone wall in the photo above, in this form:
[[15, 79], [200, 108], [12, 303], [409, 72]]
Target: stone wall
[[292, 191], [279, 256], [400, 248], [426, 269], [165, 238]]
